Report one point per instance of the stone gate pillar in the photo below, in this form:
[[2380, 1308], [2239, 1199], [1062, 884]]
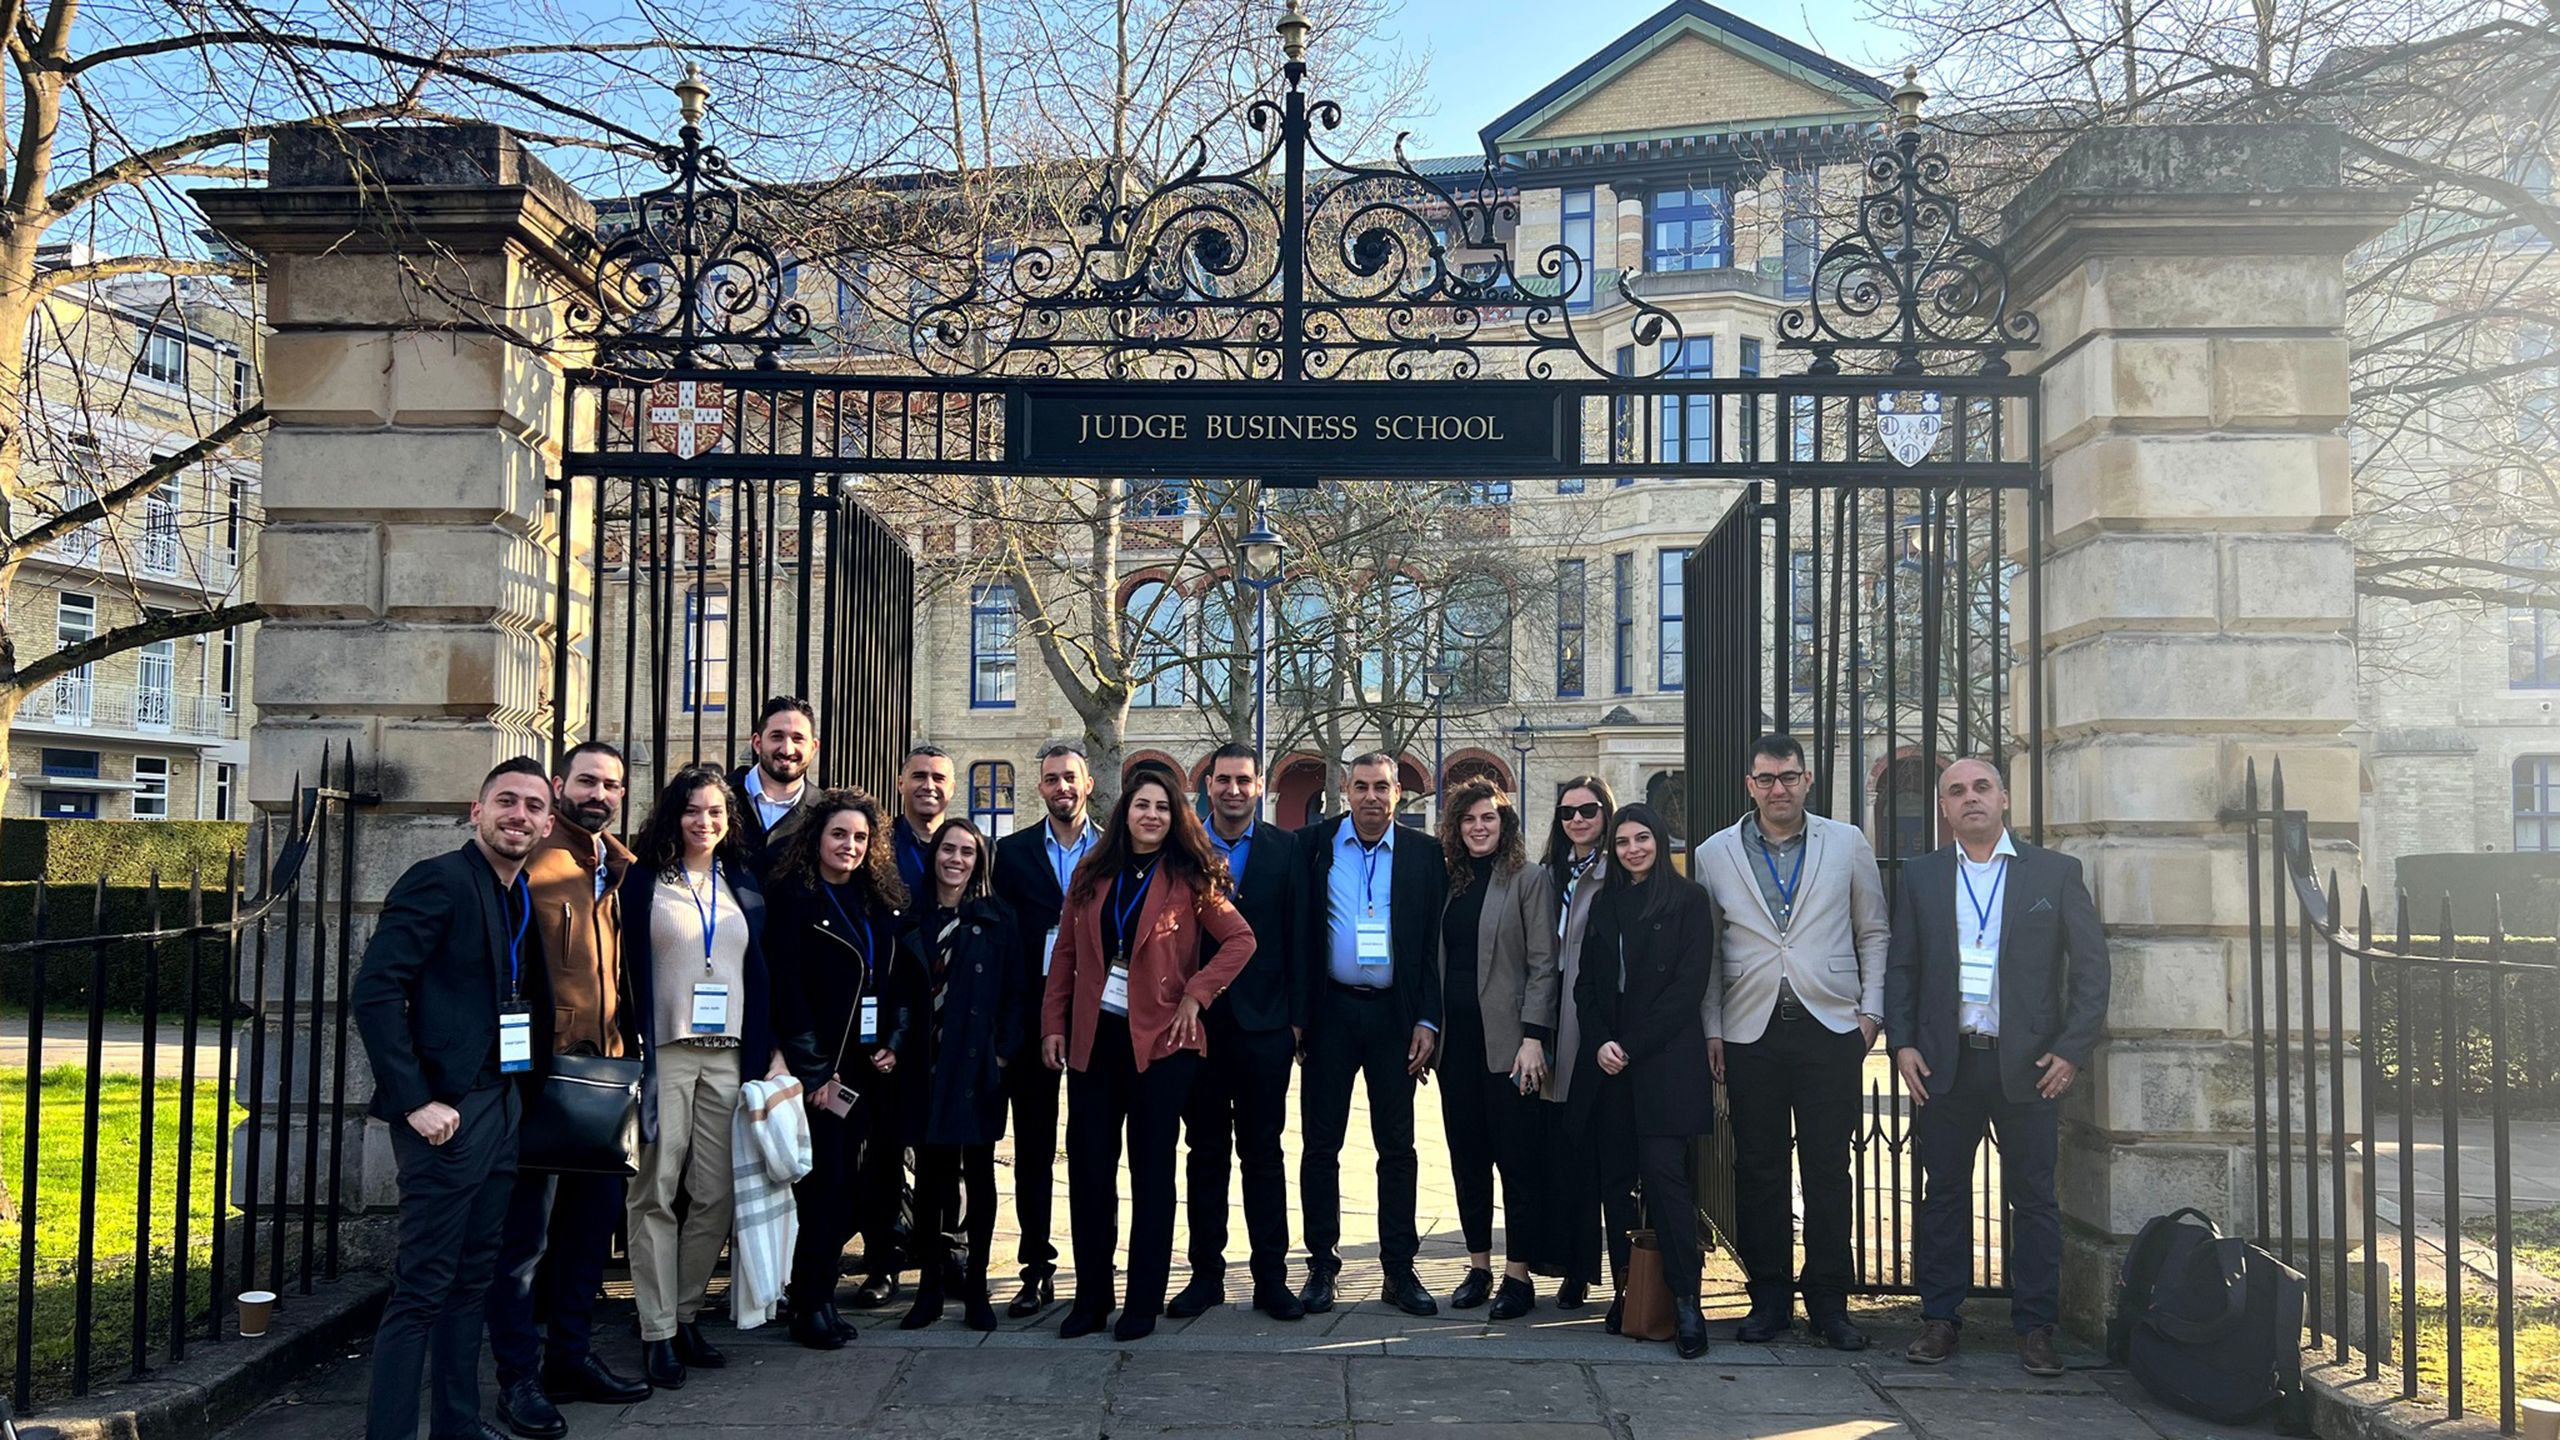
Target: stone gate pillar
[[415, 279], [2199, 605]]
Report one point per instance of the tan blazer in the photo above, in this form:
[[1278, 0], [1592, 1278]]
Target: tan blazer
[[1515, 961], [1833, 955], [1577, 917]]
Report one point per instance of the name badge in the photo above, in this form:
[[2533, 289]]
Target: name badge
[[870, 1019], [1048, 949], [1115, 991], [1370, 938], [710, 1008], [515, 1041], [1977, 965]]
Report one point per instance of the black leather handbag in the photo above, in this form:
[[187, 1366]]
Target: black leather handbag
[[583, 1118]]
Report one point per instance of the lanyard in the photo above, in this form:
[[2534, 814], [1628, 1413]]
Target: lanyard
[[1127, 910], [515, 947], [1795, 876], [1369, 869], [862, 925], [710, 917], [1982, 909]]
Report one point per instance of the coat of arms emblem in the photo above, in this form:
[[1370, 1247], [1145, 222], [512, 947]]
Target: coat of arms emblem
[[687, 417], [1908, 422]]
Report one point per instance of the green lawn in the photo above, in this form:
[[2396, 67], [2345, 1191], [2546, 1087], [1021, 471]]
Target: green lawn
[[57, 1213]]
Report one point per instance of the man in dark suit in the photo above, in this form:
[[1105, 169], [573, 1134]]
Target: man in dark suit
[[774, 791], [925, 780], [1995, 994], [1243, 1087], [453, 1001], [1373, 1013], [1032, 869]]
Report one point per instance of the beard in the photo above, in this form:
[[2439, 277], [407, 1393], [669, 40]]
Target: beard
[[782, 772], [592, 815]]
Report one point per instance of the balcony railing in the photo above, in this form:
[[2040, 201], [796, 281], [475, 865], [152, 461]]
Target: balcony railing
[[79, 703]]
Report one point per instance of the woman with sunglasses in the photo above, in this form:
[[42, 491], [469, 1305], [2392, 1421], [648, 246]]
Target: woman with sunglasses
[[1581, 1191], [1121, 1016], [1652, 953]]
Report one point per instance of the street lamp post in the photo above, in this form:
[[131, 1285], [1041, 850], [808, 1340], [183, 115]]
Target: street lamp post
[[1436, 680], [1523, 740], [1266, 559]]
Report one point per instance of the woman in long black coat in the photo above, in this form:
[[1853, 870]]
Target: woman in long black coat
[[1647, 959], [964, 943]]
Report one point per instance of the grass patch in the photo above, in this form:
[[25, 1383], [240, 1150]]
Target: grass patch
[[57, 1202]]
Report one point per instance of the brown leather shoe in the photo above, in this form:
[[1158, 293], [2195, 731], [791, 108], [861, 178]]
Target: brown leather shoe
[[1936, 1345], [2035, 1352]]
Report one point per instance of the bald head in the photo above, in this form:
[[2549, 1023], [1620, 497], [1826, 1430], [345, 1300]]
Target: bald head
[[1974, 803]]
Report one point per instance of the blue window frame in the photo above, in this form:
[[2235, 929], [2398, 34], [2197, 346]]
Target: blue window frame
[[1671, 640], [1622, 586], [1154, 617], [2537, 804], [993, 667], [1579, 237], [706, 650], [67, 804], [1748, 367], [1571, 597], [1689, 229], [1488, 492], [1158, 499], [991, 796], [1622, 416], [72, 764], [1572, 485], [1688, 422], [1801, 245]]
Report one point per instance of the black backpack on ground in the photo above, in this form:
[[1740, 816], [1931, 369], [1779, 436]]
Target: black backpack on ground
[[2210, 1324]]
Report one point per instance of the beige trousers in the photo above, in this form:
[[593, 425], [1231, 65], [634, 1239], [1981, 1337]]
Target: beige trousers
[[671, 1265]]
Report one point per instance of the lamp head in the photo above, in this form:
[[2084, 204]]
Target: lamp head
[[693, 94], [1906, 99], [1293, 30]]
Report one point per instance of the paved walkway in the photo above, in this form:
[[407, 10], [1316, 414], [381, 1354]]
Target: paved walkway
[[2533, 1158], [66, 1042]]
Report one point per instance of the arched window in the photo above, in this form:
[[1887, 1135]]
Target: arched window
[[991, 796], [1226, 652], [1153, 619]]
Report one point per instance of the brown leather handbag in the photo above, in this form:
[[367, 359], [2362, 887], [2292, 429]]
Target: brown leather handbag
[[1647, 1315]]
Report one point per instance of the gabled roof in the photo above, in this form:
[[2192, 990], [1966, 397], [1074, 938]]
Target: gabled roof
[[1855, 89]]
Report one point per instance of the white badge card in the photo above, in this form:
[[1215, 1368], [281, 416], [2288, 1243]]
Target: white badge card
[[870, 1019], [515, 1041], [710, 1008], [1048, 949], [1976, 965], [1115, 991], [1371, 939]]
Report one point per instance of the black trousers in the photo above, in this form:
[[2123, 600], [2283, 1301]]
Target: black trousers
[[453, 1210], [550, 1269], [881, 1180], [1240, 1100], [1671, 1205], [943, 1172], [1949, 1129], [1491, 1127], [1794, 1091], [1590, 1203], [1031, 1089], [1104, 1099], [835, 1200], [1356, 1036]]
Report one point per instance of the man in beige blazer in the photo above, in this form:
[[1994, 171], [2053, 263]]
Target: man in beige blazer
[[1798, 1003]]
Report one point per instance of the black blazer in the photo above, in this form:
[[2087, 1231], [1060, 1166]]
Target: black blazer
[[1418, 890], [1271, 992], [2053, 966], [764, 846], [759, 1035], [954, 1089], [434, 975], [1669, 955], [1023, 880], [818, 987]]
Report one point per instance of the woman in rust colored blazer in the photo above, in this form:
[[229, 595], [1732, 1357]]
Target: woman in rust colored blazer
[[1122, 1018]]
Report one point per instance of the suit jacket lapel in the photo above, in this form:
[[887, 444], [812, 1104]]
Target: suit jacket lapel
[[492, 923], [1738, 850], [1812, 862], [1497, 901], [2013, 905]]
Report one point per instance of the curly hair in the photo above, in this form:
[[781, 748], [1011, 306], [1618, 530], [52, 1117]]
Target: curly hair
[[661, 842], [1509, 854], [1187, 852], [877, 875]]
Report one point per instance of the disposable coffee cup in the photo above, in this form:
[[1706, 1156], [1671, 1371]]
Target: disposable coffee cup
[[2540, 1420], [256, 1307]]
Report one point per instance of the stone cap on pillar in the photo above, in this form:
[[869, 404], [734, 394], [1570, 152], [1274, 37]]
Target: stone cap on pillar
[[2191, 189]]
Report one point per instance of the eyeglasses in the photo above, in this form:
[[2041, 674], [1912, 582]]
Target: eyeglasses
[[1776, 779], [1587, 810]]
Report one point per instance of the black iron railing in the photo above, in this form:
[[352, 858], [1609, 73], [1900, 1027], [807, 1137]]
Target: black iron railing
[[255, 987], [2437, 1004]]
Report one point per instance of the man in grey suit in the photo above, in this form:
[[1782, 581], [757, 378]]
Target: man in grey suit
[[1994, 999], [1788, 1029]]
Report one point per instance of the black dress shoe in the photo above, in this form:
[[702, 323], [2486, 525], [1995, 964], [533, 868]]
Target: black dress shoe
[[1573, 1294], [1609, 1325], [1276, 1302], [1764, 1324], [1204, 1294], [1037, 1293], [1836, 1332], [1316, 1296], [483, 1430], [694, 1349], [528, 1412], [1405, 1292], [1515, 1299], [836, 1321], [811, 1329], [1472, 1291], [589, 1379], [1081, 1322], [1134, 1325], [658, 1361], [1688, 1329], [876, 1291], [928, 1306]]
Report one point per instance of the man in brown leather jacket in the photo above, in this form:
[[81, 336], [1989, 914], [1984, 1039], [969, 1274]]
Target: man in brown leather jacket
[[559, 1226]]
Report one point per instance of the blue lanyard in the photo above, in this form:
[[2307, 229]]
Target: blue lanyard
[[1369, 868], [1795, 876], [515, 947], [1127, 910], [710, 919], [1982, 909], [863, 925]]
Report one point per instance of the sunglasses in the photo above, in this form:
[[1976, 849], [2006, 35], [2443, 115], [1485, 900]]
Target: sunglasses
[[1587, 810]]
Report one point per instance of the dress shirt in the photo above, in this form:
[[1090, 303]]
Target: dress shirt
[[604, 871], [1360, 885], [1236, 854], [1982, 1019], [1063, 859], [1772, 863], [770, 812]]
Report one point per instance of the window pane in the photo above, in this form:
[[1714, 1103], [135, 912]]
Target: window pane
[[992, 630]]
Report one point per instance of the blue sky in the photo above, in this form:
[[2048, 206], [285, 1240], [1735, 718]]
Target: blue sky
[[1487, 55]]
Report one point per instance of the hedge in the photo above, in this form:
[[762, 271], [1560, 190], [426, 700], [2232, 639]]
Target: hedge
[[74, 852], [70, 910]]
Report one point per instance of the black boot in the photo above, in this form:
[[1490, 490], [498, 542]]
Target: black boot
[[977, 1312], [836, 1321], [928, 1306], [1688, 1329], [809, 1326], [658, 1361], [1039, 1291], [1617, 1312], [694, 1349]]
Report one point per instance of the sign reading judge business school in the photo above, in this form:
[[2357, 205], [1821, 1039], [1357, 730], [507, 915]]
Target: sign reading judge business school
[[1340, 429]]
